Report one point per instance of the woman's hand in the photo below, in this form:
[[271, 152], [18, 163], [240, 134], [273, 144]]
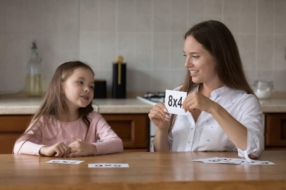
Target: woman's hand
[[59, 149], [81, 148], [198, 101], [160, 117]]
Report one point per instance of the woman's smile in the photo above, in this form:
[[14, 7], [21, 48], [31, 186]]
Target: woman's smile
[[193, 73]]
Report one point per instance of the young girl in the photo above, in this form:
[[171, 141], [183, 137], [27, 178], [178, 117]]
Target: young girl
[[223, 112], [65, 124]]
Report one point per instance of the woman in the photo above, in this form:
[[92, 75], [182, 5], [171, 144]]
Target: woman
[[223, 112]]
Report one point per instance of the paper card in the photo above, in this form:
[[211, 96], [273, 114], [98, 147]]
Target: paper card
[[256, 162], [64, 162], [217, 160], [174, 102], [203, 159], [222, 161], [108, 165]]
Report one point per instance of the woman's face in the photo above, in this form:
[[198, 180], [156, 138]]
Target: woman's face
[[200, 63]]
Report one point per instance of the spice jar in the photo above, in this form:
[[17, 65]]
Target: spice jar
[[263, 89]]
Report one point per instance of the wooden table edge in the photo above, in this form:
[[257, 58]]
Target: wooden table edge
[[221, 185]]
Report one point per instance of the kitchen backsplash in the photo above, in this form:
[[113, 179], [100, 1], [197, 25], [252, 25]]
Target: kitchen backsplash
[[148, 33]]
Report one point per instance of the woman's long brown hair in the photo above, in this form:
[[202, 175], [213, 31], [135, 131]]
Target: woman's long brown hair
[[54, 105], [217, 39]]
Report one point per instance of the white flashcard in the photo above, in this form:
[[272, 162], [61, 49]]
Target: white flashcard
[[222, 161], [256, 162], [108, 165], [174, 102], [241, 161], [203, 159], [64, 162]]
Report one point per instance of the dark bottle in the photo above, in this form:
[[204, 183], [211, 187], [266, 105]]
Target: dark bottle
[[119, 79]]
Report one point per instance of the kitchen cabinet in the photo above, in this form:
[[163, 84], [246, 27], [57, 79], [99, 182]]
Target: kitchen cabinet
[[275, 131], [11, 127], [133, 129]]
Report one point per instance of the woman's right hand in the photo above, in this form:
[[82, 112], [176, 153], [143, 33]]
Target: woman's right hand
[[59, 149], [160, 117]]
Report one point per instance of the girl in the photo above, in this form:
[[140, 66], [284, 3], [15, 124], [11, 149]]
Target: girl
[[223, 112], [65, 124]]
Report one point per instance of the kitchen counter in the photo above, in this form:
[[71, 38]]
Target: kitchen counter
[[23, 105], [128, 118], [130, 105], [273, 105]]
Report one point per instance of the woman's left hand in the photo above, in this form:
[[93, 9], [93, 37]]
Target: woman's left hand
[[198, 101], [81, 148]]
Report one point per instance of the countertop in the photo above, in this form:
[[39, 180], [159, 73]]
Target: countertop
[[23, 105]]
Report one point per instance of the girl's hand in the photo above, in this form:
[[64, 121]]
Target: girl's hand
[[198, 101], [59, 149], [81, 148], [160, 117]]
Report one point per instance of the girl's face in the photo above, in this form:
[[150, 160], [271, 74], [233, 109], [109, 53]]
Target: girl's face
[[200, 63], [78, 88]]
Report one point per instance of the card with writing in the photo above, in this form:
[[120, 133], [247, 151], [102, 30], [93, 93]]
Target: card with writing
[[241, 161], [256, 162], [108, 165], [174, 102], [222, 161], [64, 162]]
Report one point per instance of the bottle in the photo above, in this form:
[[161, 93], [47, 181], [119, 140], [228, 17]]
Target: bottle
[[119, 78], [33, 73]]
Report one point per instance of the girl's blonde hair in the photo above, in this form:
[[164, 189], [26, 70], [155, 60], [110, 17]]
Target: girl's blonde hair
[[54, 105], [217, 39]]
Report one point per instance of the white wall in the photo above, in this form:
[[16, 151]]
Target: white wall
[[148, 33]]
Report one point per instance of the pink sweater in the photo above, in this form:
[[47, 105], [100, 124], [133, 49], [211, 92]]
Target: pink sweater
[[100, 134]]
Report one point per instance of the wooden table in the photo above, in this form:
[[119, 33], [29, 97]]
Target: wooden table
[[146, 171]]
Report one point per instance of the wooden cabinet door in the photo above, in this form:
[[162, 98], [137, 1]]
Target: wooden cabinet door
[[275, 130], [11, 127], [133, 129]]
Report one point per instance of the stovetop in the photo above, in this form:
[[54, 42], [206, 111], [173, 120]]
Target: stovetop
[[152, 98]]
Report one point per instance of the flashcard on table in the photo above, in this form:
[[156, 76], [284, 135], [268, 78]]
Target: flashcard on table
[[64, 162], [256, 162], [174, 102], [108, 165], [217, 160]]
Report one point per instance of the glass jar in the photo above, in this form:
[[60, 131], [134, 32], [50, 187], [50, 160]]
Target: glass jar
[[263, 89], [33, 73]]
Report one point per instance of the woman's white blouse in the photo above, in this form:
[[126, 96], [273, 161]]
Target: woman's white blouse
[[207, 135]]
